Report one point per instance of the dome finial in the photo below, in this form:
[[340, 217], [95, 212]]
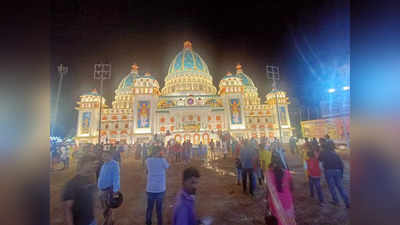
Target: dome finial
[[229, 74], [187, 45], [134, 68], [239, 68], [147, 74]]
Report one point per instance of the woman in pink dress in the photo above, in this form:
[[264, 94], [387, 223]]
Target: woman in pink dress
[[279, 198]]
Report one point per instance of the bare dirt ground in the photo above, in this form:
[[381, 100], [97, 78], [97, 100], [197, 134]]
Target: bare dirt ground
[[217, 196]]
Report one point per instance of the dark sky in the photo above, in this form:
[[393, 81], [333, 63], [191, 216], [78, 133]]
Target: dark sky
[[295, 35]]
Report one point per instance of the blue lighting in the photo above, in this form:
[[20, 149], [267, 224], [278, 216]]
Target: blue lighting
[[331, 90]]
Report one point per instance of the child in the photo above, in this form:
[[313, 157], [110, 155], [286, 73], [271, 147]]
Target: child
[[314, 173], [238, 171]]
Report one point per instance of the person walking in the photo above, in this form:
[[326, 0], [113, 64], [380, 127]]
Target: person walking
[[184, 211], [246, 157], [144, 153], [225, 148], [212, 149], [306, 148], [218, 147], [117, 153], [279, 198], [79, 192], [265, 158], [65, 157], [238, 165], [334, 168], [156, 167], [190, 150], [108, 183], [292, 142], [314, 173]]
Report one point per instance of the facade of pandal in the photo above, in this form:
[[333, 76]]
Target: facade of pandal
[[188, 107]]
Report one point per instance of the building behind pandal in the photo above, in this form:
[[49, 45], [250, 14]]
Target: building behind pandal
[[188, 107]]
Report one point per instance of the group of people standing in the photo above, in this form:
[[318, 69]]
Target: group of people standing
[[263, 161], [81, 191], [321, 156]]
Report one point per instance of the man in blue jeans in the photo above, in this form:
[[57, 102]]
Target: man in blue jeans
[[246, 157], [238, 171], [156, 168], [108, 183], [333, 166]]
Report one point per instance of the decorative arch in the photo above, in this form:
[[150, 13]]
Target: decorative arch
[[206, 138], [188, 137], [196, 139], [178, 138]]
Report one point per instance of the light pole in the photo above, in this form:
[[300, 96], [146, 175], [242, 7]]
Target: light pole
[[102, 71], [273, 74], [62, 70]]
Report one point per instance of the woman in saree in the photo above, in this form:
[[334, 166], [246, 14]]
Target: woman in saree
[[279, 193]]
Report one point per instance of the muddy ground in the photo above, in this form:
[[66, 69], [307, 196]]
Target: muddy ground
[[217, 196]]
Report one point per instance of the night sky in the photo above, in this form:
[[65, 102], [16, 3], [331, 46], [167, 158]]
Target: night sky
[[304, 38]]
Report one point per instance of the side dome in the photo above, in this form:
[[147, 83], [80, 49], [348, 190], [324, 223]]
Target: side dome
[[188, 74], [246, 80], [146, 80], [250, 90], [230, 83], [127, 82]]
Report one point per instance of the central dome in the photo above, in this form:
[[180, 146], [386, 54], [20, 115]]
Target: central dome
[[188, 74], [187, 61]]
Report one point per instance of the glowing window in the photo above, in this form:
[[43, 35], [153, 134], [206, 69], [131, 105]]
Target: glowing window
[[162, 120]]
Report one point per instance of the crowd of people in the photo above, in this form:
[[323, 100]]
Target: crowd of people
[[258, 163]]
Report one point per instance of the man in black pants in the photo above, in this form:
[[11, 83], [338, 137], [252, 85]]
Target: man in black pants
[[246, 157], [79, 193]]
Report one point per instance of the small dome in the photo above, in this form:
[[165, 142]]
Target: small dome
[[127, 82], [145, 80], [246, 80], [92, 93], [230, 79]]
